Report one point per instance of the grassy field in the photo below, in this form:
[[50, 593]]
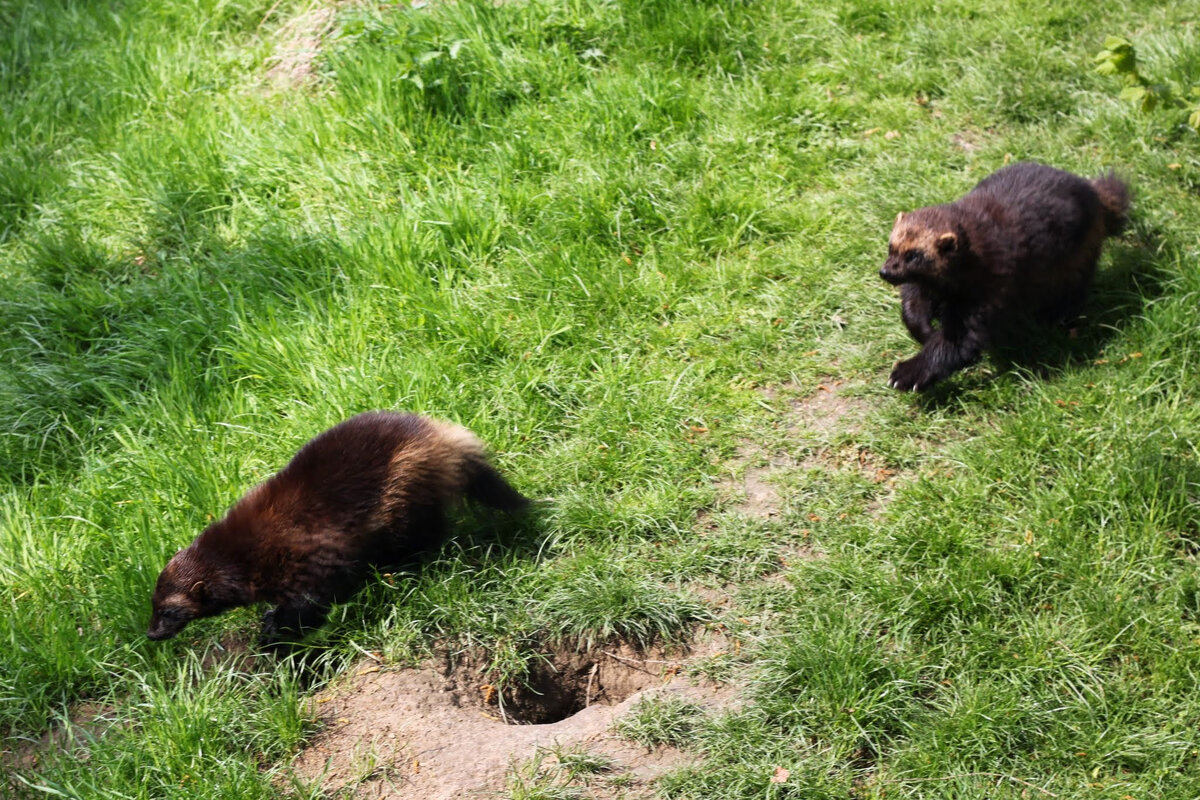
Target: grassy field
[[622, 241]]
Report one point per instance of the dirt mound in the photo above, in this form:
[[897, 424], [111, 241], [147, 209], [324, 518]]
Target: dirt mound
[[444, 731]]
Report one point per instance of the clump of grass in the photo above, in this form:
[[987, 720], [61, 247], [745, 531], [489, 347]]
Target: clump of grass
[[203, 722], [592, 602], [659, 720], [556, 773]]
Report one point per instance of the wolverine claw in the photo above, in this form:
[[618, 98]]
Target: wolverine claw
[[910, 376]]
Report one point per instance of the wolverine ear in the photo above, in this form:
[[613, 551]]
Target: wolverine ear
[[198, 590], [947, 243], [899, 217]]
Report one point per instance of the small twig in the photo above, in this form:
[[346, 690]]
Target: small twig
[[997, 775], [634, 660], [587, 701]]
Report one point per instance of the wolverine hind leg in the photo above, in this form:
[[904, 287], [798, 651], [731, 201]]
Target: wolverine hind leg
[[290, 621], [1065, 308], [1068, 302]]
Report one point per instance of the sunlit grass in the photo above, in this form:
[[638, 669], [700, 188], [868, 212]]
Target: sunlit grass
[[594, 232]]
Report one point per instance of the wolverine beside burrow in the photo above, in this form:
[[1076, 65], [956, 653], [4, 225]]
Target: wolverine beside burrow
[[1022, 244], [368, 493]]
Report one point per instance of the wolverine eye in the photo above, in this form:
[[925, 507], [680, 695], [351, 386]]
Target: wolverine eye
[[910, 256]]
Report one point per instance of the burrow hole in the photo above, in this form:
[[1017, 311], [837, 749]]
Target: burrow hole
[[564, 684]]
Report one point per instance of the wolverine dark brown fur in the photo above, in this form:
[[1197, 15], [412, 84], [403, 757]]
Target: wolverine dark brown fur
[[369, 493], [1022, 244]]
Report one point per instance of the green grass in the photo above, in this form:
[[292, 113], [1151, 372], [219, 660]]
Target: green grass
[[558, 773], [593, 232], [658, 721]]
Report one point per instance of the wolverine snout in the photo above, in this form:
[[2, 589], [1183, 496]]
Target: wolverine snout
[[890, 274], [158, 633], [162, 627]]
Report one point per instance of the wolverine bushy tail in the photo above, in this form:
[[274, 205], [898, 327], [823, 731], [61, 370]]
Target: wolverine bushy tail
[[488, 486], [1114, 199], [475, 476]]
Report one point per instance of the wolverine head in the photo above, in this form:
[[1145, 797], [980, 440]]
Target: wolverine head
[[924, 246], [184, 592]]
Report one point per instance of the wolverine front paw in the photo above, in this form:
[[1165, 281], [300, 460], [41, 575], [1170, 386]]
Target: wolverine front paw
[[268, 633], [912, 375]]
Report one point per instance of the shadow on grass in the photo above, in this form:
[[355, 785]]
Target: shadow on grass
[[92, 330], [1123, 289]]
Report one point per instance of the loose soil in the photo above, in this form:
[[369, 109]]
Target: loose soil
[[443, 731]]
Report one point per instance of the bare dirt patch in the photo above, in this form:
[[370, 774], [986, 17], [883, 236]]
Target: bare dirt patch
[[760, 497], [965, 141], [443, 731], [810, 421], [823, 410], [818, 418], [298, 42]]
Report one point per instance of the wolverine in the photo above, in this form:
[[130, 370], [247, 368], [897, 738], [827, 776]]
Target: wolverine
[[369, 493], [1023, 244]]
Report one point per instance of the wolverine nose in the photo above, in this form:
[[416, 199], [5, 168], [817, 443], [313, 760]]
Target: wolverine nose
[[159, 632]]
